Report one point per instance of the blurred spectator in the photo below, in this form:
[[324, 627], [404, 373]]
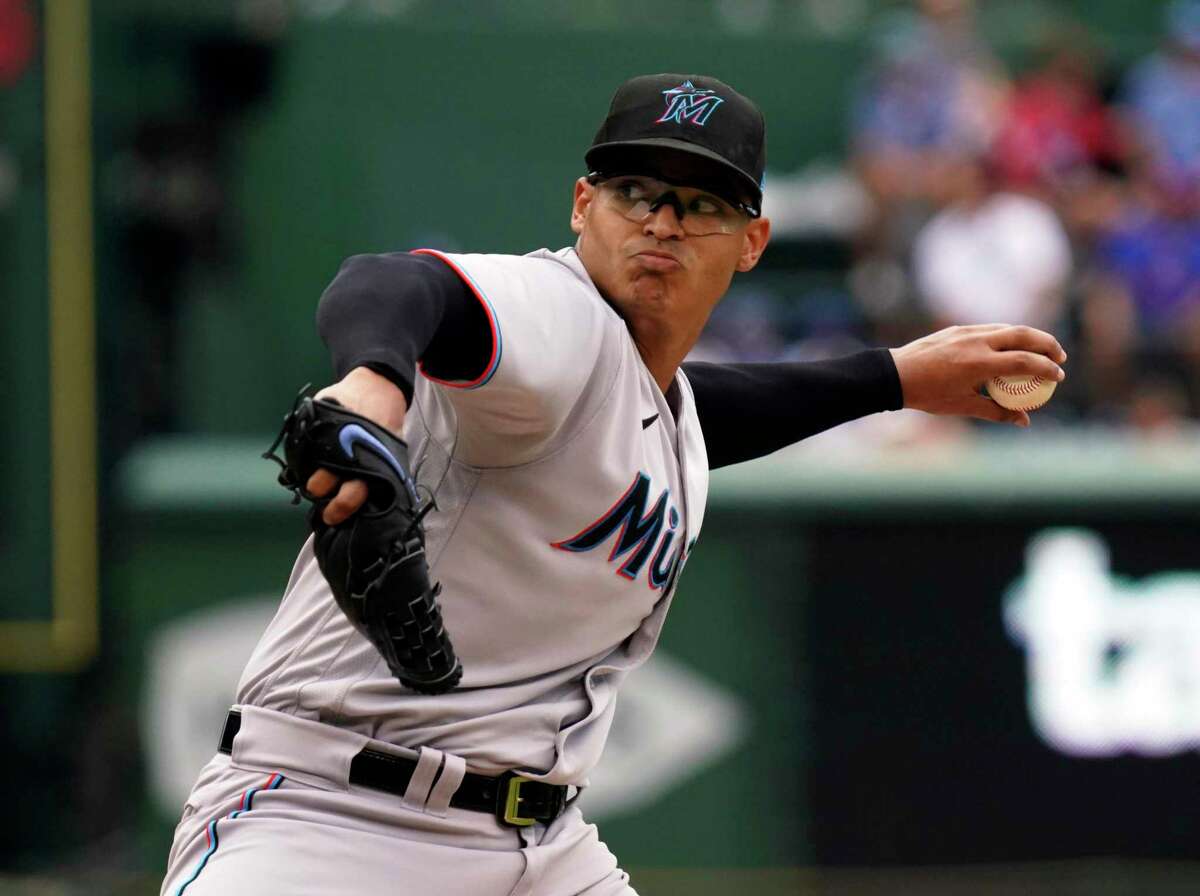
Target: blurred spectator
[[1056, 130], [1140, 316], [1090, 202], [748, 327], [170, 188], [1161, 101], [1158, 406], [933, 91], [990, 256]]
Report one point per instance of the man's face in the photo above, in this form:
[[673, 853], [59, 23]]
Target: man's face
[[653, 268]]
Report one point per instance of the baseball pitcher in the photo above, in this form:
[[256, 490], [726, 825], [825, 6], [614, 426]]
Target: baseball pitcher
[[506, 480]]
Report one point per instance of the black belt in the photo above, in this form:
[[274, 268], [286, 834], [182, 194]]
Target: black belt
[[515, 801]]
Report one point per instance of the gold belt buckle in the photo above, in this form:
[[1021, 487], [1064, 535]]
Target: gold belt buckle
[[512, 802]]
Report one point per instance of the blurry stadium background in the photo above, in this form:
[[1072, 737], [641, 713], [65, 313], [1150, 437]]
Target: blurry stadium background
[[912, 655]]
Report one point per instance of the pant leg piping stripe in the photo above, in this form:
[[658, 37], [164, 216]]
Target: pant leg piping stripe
[[247, 803]]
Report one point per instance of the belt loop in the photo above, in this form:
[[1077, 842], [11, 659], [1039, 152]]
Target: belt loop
[[452, 775], [422, 779]]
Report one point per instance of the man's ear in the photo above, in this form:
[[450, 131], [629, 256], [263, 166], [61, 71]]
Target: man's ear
[[584, 194], [754, 241]]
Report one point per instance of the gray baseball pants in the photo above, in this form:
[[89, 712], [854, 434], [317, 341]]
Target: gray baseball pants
[[279, 816]]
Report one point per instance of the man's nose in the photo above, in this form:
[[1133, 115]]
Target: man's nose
[[663, 223]]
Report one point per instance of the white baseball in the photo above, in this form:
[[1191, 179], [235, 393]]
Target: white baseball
[[1020, 393]]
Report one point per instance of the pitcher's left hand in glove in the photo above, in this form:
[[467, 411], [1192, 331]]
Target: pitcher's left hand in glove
[[374, 561]]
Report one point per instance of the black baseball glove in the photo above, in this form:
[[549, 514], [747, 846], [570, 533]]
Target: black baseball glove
[[374, 561]]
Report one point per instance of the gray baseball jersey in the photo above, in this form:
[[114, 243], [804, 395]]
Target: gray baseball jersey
[[569, 491]]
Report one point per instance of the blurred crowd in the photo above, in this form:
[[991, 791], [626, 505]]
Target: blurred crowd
[[1065, 196]]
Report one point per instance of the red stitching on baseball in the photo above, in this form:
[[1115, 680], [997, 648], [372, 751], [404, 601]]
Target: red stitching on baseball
[[1013, 389]]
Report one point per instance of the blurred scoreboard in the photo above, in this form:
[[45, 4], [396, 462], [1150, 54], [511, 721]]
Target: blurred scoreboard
[[1005, 689], [1001, 654]]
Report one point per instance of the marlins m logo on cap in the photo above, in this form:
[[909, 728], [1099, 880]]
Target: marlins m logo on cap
[[689, 103]]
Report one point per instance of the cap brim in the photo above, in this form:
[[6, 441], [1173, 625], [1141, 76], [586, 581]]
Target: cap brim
[[675, 160]]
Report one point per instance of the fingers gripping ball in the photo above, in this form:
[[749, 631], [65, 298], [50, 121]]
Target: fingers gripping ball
[[1020, 393], [374, 561]]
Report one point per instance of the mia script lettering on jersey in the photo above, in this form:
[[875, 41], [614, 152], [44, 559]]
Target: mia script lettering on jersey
[[637, 532]]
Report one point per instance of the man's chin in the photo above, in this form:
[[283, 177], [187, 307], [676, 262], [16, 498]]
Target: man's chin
[[651, 288]]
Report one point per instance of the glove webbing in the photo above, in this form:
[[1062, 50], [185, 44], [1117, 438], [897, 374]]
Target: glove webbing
[[417, 649]]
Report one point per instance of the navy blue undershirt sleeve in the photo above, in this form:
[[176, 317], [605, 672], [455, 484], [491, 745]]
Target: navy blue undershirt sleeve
[[749, 410], [387, 312]]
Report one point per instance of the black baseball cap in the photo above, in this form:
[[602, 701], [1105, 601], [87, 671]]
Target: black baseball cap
[[687, 130]]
